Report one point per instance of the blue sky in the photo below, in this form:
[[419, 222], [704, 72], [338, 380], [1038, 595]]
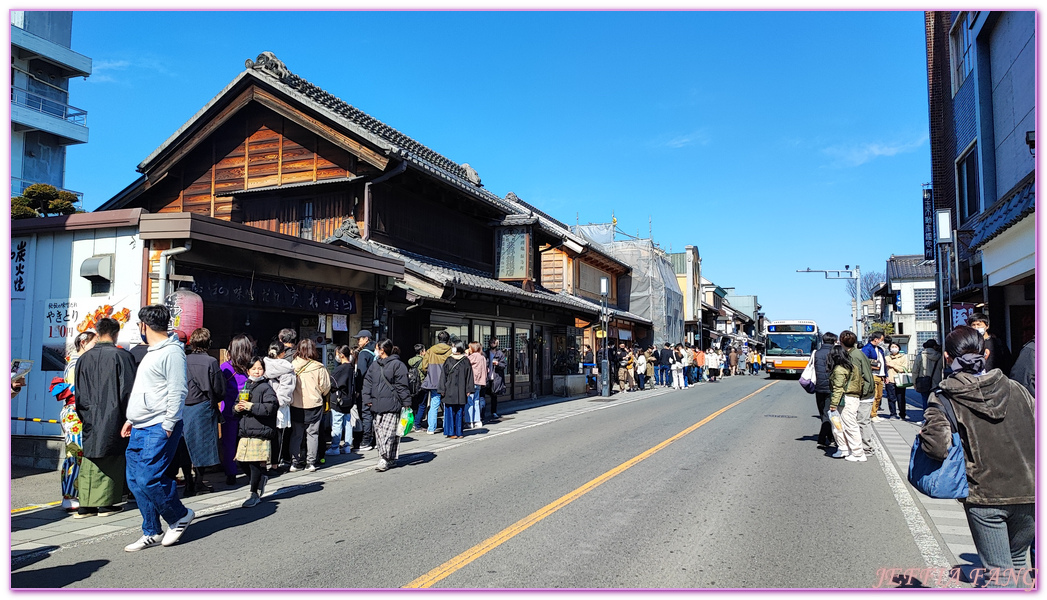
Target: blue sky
[[772, 141]]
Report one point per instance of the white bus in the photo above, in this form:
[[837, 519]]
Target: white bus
[[789, 346]]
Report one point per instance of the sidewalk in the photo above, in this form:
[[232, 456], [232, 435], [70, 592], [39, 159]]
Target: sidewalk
[[44, 528], [946, 518]]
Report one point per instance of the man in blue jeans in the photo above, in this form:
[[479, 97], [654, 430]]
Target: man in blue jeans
[[154, 424], [663, 371], [432, 367]]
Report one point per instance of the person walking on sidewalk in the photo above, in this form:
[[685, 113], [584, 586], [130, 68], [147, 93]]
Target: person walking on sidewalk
[[495, 375], [474, 409], [733, 359], [312, 383], [641, 367], [897, 363], [860, 363], [154, 426], [206, 391], [996, 421], [927, 373], [257, 406], [104, 378], [846, 385], [699, 365], [823, 388], [385, 389], [281, 378], [456, 383], [432, 368], [878, 363], [712, 363]]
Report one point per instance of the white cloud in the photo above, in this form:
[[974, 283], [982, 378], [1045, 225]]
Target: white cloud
[[699, 137], [853, 155], [108, 71]]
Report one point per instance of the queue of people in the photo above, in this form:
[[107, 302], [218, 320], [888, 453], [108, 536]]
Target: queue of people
[[635, 368]]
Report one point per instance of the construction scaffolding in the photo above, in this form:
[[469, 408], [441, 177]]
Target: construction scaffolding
[[651, 288]]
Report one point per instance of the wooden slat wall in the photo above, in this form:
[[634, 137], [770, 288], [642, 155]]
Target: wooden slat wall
[[552, 269], [285, 215]]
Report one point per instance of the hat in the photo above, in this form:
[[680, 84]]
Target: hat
[[363, 333]]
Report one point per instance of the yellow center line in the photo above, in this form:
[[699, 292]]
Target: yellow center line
[[463, 559], [34, 507]]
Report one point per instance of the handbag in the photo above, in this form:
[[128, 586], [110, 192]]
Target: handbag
[[903, 380], [406, 422], [809, 377], [944, 479]]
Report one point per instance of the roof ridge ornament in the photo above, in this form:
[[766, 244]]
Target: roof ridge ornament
[[267, 62], [471, 174]]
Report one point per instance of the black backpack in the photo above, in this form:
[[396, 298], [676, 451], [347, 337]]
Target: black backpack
[[414, 379]]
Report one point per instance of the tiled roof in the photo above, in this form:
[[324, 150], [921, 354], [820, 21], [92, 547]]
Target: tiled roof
[[909, 266], [1013, 207]]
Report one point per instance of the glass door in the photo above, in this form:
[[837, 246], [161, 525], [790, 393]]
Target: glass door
[[521, 361]]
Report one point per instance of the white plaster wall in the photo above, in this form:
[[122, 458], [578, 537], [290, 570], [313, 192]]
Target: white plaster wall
[[54, 272], [1012, 56], [1012, 254]]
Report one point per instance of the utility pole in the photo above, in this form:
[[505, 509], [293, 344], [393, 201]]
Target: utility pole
[[846, 273]]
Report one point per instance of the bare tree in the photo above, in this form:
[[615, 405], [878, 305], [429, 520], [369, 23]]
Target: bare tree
[[870, 281]]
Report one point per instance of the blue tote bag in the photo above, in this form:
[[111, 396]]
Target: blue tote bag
[[946, 479]]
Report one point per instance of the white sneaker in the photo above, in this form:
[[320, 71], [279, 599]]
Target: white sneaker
[[333, 450], [70, 503], [146, 541], [876, 418], [853, 458], [310, 468], [175, 531], [292, 469], [841, 454]]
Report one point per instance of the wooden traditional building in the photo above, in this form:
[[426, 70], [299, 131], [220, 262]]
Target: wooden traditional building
[[274, 153]]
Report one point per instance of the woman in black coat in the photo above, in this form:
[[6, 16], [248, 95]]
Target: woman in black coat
[[256, 406], [385, 388], [456, 383]]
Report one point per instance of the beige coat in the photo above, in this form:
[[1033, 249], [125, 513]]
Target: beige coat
[[312, 383], [896, 363]]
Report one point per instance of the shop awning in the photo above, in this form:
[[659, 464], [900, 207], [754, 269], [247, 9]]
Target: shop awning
[[190, 226]]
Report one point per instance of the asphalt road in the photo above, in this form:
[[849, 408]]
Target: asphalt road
[[745, 500]]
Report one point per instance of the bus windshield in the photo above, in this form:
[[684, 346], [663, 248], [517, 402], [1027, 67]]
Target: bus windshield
[[792, 344]]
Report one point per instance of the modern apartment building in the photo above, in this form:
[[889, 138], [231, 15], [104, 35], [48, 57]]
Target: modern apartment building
[[43, 122], [981, 81]]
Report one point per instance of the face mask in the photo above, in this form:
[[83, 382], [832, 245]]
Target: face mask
[[259, 378], [980, 330], [894, 350]]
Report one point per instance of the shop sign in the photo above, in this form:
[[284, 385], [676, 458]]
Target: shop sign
[[64, 318], [928, 224], [512, 248], [236, 289], [20, 261], [961, 311]]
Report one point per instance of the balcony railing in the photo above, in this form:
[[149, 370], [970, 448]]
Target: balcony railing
[[18, 186], [54, 108]]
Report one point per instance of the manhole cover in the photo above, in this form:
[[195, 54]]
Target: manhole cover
[[781, 416]]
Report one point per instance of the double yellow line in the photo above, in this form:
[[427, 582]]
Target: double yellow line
[[463, 559]]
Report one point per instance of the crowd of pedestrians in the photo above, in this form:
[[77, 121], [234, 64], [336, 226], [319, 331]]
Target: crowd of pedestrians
[[634, 368]]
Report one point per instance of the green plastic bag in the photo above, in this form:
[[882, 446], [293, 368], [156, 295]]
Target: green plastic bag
[[406, 422]]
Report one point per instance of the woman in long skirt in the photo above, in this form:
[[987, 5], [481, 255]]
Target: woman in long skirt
[[386, 389], [200, 415]]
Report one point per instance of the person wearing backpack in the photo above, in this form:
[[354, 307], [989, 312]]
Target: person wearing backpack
[[342, 400], [860, 362], [432, 366], [996, 422]]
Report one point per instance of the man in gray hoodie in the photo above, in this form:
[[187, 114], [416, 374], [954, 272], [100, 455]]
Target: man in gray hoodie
[[154, 424]]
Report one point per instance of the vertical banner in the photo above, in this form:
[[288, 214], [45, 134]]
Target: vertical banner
[[21, 259]]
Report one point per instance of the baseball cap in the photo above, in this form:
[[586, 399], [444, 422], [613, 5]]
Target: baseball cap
[[363, 333]]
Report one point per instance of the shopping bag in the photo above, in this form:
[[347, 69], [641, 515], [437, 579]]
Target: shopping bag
[[809, 377], [903, 380], [406, 422], [943, 479]]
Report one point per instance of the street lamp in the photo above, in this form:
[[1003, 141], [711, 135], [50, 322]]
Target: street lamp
[[605, 364], [943, 240]]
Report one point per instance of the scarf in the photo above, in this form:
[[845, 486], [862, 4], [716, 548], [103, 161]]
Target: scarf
[[969, 363]]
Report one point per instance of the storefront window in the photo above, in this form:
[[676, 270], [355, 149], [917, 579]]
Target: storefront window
[[522, 353]]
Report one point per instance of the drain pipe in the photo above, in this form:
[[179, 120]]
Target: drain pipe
[[367, 197], [164, 259]]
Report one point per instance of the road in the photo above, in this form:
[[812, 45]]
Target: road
[[743, 499]]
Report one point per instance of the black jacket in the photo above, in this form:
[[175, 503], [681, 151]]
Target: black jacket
[[995, 418], [1024, 369], [385, 386], [104, 377], [206, 382], [665, 357], [456, 381], [821, 370], [364, 358], [342, 386], [999, 355], [260, 421]]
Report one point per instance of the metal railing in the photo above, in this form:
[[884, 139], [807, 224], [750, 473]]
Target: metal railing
[[54, 108], [18, 186]]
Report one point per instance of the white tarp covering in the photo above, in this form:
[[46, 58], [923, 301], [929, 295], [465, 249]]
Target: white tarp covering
[[651, 288]]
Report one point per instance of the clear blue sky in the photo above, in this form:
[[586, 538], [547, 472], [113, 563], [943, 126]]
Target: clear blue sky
[[772, 141]]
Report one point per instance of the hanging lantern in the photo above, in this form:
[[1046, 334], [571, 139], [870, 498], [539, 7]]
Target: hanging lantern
[[187, 312]]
